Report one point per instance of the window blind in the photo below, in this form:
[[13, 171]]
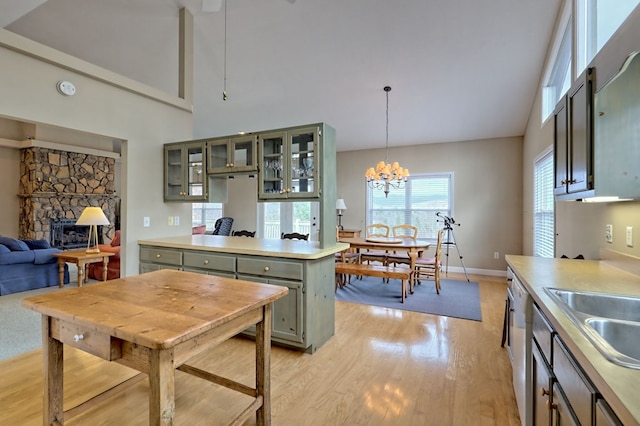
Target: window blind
[[543, 223]]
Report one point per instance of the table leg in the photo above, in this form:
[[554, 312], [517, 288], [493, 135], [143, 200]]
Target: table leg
[[52, 355], [412, 278], [80, 273], [105, 262], [263, 366], [61, 264], [162, 405]]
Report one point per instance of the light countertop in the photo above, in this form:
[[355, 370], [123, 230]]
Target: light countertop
[[618, 385], [290, 249]]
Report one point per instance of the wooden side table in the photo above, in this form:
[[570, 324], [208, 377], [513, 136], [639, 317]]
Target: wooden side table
[[81, 259]]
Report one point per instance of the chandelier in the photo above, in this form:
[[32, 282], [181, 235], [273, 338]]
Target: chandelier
[[385, 175]]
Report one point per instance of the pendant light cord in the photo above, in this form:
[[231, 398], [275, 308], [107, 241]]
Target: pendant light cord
[[387, 89], [224, 86]]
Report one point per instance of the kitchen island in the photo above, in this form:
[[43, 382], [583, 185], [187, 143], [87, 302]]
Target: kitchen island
[[617, 385], [304, 319]]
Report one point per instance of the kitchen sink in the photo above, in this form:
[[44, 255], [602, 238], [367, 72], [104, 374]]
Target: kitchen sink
[[596, 304], [611, 322]]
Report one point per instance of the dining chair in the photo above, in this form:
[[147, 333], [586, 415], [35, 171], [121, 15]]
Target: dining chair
[[294, 236], [427, 267], [372, 231], [223, 226], [402, 232], [243, 233], [350, 256]]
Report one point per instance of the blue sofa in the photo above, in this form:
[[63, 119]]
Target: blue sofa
[[27, 265]]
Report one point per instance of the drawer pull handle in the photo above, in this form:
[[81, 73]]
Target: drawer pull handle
[[544, 392], [78, 337], [158, 256], [266, 269], [206, 262], [551, 405]]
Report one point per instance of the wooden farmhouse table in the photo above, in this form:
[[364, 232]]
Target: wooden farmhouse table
[[411, 247], [154, 323]]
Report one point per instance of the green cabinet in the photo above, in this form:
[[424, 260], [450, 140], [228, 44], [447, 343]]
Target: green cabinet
[[303, 319], [184, 173], [290, 165], [236, 154], [573, 139]]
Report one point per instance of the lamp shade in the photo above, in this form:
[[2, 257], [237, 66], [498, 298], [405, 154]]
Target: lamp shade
[[92, 216], [340, 205]]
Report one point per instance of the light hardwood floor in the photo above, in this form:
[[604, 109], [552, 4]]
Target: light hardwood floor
[[382, 367]]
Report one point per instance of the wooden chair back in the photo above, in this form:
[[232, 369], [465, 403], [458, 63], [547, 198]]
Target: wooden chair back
[[294, 236], [405, 231], [244, 233], [377, 230]]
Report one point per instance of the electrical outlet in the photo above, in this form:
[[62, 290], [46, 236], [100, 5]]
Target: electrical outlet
[[629, 236], [146, 221], [608, 233], [176, 220], [496, 255], [170, 221]]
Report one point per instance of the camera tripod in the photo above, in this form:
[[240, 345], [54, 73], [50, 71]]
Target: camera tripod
[[449, 241]]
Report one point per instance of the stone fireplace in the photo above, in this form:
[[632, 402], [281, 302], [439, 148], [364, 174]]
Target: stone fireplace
[[55, 187]]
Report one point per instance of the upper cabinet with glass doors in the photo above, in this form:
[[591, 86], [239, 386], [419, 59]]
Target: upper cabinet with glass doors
[[289, 164], [236, 154], [184, 174]]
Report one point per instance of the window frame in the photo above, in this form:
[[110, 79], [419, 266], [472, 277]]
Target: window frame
[[428, 227], [543, 198]]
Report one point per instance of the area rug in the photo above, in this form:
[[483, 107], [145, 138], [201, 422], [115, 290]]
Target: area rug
[[458, 299]]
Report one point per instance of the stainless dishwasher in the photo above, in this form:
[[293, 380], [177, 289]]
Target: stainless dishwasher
[[519, 344]]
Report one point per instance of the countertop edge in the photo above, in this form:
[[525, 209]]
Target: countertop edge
[[289, 249], [614, 382]]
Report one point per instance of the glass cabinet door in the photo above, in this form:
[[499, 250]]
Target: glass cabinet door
[[232, 155], [273, 170], [184, 173], [195, 171], [218, 160], [303, 159], [173, 173]]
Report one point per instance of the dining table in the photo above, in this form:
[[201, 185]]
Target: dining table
[[413, 248]]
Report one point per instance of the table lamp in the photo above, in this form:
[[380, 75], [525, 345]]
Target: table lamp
[[92, 216], [340, 205]]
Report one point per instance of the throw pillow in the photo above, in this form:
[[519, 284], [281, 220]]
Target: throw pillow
[[13, 244], [37, 244], [4, 249], [116, 239]]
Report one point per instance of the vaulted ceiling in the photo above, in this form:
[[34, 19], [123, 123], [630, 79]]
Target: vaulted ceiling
[[459, 69]]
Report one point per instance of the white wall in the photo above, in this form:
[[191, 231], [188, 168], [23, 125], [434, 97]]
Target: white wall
[[105, 104], [487, 192]]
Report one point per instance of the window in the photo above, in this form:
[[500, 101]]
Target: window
[[559, 80], [297, 217], [543, 220], [206, 213], [417, 204], [596, 21]]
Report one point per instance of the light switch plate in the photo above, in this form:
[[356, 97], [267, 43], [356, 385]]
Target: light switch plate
[[629, 236], [608, 233], [147, 221], [170, 221], [176, 220]]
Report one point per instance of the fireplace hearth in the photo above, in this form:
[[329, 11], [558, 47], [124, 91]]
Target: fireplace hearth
[[65, 234]]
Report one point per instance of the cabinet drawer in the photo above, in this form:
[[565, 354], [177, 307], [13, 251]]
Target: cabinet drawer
[[96, 343], [160, 255], [266, 267], [543, 333], [579, 392], [209, 261]]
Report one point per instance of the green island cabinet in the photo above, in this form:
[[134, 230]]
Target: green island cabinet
[[304, 319]]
